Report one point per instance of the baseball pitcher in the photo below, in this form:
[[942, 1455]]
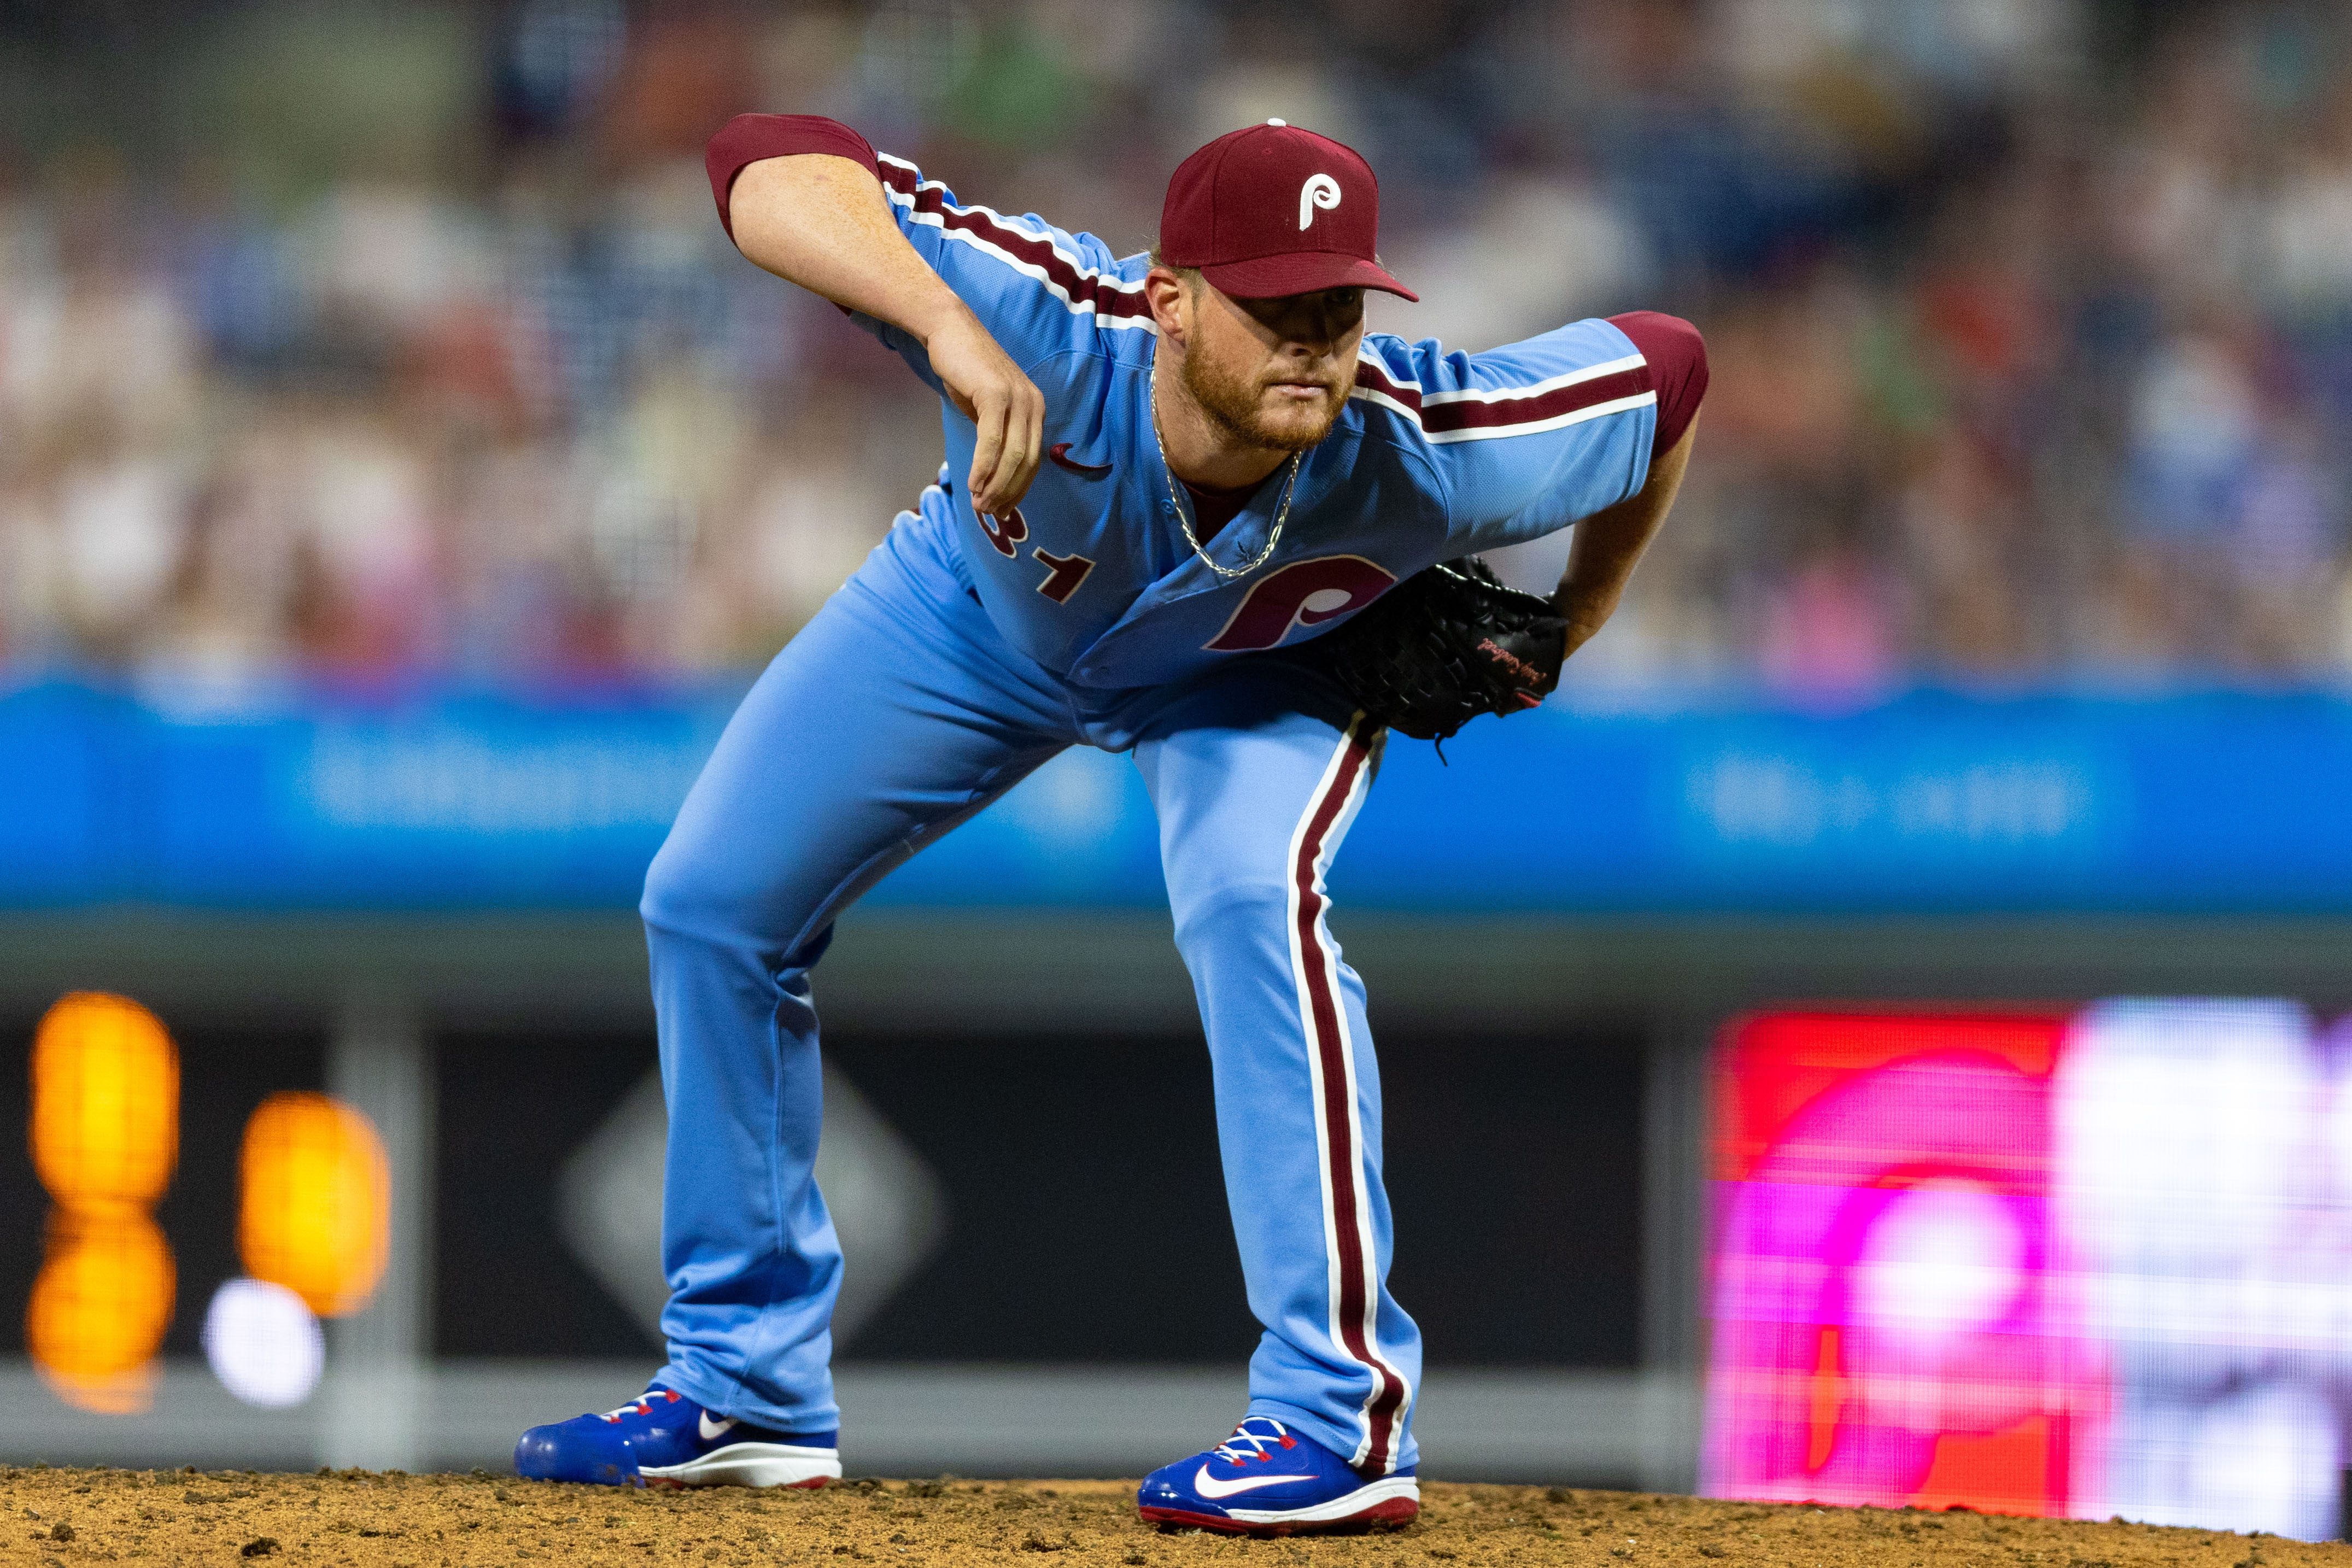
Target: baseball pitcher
[[1173, 481]]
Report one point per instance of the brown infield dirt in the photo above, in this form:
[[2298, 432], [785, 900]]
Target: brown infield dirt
[[59, 1518]]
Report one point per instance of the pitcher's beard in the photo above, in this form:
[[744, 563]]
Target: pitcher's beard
[[1232, 406]]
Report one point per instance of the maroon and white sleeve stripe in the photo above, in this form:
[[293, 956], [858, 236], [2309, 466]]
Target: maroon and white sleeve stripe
[[1084, 290], [1668, 368], [1611, 387]]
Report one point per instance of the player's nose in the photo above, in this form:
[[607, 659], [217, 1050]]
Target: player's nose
[[1308, 355], [1330, 320]]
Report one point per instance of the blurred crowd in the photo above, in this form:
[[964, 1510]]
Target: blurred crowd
[[388, 342]]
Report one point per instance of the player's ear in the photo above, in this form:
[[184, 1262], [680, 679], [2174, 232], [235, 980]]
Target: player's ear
[[1170, 299]]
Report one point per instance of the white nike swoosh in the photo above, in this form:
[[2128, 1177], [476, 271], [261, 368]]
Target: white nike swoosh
[[714, 1430], [1209, 1486]]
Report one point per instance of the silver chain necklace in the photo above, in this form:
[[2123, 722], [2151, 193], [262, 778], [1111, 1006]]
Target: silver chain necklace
[[1184, 521]]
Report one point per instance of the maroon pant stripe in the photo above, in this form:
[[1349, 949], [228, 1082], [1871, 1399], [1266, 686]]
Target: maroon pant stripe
[[1355, 1269]]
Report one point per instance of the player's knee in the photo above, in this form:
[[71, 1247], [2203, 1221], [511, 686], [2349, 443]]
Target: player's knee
[[699, 897], [1236, 907], [683, 895], [669, 889]]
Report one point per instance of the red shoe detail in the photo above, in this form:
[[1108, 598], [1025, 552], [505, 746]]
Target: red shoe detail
[[1388, 1514]]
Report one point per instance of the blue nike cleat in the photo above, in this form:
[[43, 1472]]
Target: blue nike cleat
[[1267, 1481], [664, 1440]]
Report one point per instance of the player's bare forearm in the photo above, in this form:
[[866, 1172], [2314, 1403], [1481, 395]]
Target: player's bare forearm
[[823, 222], [1609, 544]]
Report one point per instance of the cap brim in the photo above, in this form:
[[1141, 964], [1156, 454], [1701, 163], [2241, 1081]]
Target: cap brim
[[1300, 272]]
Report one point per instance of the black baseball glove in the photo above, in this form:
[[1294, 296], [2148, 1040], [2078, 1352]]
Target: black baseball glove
[[1444, 646]]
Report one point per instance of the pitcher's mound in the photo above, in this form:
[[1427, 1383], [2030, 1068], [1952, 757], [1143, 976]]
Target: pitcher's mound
[[58, 1518]]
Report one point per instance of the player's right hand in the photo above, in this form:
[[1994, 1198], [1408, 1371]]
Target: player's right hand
[[989, 389]]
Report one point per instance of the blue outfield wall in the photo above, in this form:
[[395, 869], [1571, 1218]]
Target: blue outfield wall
[[1928, 803]]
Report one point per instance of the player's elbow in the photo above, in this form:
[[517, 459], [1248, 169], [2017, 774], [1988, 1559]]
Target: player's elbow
[[1674, 354]]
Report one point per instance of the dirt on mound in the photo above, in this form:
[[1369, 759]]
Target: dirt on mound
[[58, 1518]]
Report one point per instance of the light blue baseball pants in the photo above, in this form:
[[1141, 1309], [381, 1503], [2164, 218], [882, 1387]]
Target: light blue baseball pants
[[897, 714]]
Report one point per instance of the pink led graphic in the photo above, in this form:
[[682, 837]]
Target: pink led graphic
[[1891, 1319], [2086, 1263]]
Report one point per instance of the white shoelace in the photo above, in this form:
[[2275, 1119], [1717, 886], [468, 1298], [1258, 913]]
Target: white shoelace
[[637, 1406], [1230, 1450]]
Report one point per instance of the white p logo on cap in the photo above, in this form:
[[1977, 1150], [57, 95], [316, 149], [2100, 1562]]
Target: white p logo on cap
[[1319, 191]]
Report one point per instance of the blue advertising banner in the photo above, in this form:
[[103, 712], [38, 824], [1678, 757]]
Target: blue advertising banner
[[1929, 803]]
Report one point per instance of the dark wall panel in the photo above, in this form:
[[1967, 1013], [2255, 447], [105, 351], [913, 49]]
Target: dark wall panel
[[1087, 1202], [1087, 1210], [1514, 1173], [513, 1107]]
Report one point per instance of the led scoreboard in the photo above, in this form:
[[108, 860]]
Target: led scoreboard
[[2086, 1263]]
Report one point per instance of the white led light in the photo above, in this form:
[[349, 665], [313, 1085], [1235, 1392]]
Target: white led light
[[263, 1344], [1944, 1258]]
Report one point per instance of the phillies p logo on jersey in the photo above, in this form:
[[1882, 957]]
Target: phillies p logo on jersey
[[1303, 594]]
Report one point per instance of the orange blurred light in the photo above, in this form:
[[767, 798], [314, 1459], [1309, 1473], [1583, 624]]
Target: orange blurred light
[[100, 1307], [316, 1207], [106, 1102], [105, 1135]]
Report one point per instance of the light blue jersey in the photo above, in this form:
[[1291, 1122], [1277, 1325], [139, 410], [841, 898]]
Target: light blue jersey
[[1436, 455]]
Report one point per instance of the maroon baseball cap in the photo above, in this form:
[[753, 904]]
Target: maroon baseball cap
[[1273, 210]]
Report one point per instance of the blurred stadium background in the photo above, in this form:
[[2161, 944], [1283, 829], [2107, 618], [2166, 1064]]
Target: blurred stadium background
[[399, 474]]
